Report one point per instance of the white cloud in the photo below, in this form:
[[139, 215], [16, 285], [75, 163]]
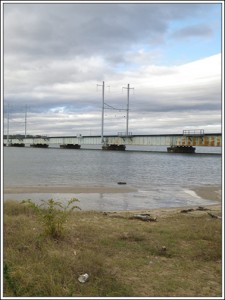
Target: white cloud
[[55, 55]]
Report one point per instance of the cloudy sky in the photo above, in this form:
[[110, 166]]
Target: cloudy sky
[[57, 55]]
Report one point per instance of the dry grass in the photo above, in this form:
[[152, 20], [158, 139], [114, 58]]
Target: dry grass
[[123, 257]]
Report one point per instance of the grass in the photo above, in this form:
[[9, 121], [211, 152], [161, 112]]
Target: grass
[[123, 257]]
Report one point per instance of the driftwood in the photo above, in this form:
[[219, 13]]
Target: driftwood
[[214, 216], [186, 210], [201, 208], [144, 217], [121, 182]]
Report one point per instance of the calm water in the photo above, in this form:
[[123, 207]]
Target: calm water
[[161, 179]]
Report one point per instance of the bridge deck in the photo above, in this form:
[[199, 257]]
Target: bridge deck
[[186, 139]]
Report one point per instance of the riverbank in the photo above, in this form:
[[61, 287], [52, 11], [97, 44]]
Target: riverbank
[[119, 197], [68, 189], [213, 192], [177, 254]]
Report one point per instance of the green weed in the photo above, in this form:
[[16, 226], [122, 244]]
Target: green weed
[[53, 215], [8, 278], [178, 256]]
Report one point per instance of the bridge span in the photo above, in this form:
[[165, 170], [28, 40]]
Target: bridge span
[[176, 142]]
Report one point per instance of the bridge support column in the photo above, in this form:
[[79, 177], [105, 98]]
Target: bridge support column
[[39, 145], [70, 146], [113, 147], [16, 145], [181, 149]]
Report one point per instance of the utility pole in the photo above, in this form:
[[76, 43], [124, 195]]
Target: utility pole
[[25, 135], [103, 106], [8, 124], [128, 96]]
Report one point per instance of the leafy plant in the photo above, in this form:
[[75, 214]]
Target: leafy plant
[[52, 214], [9, 279]]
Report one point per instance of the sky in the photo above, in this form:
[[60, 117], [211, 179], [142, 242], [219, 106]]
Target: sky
[[57, 55]]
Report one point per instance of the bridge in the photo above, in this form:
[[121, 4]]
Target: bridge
[[177, 143]]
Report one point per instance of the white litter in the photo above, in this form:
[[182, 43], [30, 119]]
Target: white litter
[[83, 278]]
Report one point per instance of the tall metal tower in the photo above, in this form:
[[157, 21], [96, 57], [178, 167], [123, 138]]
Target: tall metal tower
[[103, 106], [128, 100], [25, 134], [8, 124]]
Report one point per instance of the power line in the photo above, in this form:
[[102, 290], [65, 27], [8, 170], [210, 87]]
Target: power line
[[112, 107]]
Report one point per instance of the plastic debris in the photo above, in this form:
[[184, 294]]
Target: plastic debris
[[163, 248], [83, 278]]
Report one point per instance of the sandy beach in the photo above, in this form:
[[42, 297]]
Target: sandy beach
[[213, 192], [68, 189], [206, 192], [209, 192]]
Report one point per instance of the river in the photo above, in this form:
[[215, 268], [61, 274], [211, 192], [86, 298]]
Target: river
[[155, 179]]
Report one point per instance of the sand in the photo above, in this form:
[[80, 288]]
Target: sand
[[206, 192], [68, 189], [213, 192], [209, 192]]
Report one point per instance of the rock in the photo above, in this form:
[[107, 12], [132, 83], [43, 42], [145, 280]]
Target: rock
[[121, 182]]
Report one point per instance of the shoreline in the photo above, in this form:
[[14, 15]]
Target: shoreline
[[208, 194], [213, 192], [69, 189], [170, 211]]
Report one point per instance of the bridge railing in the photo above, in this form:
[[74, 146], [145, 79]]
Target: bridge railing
[[196, 132], [124, 134]]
